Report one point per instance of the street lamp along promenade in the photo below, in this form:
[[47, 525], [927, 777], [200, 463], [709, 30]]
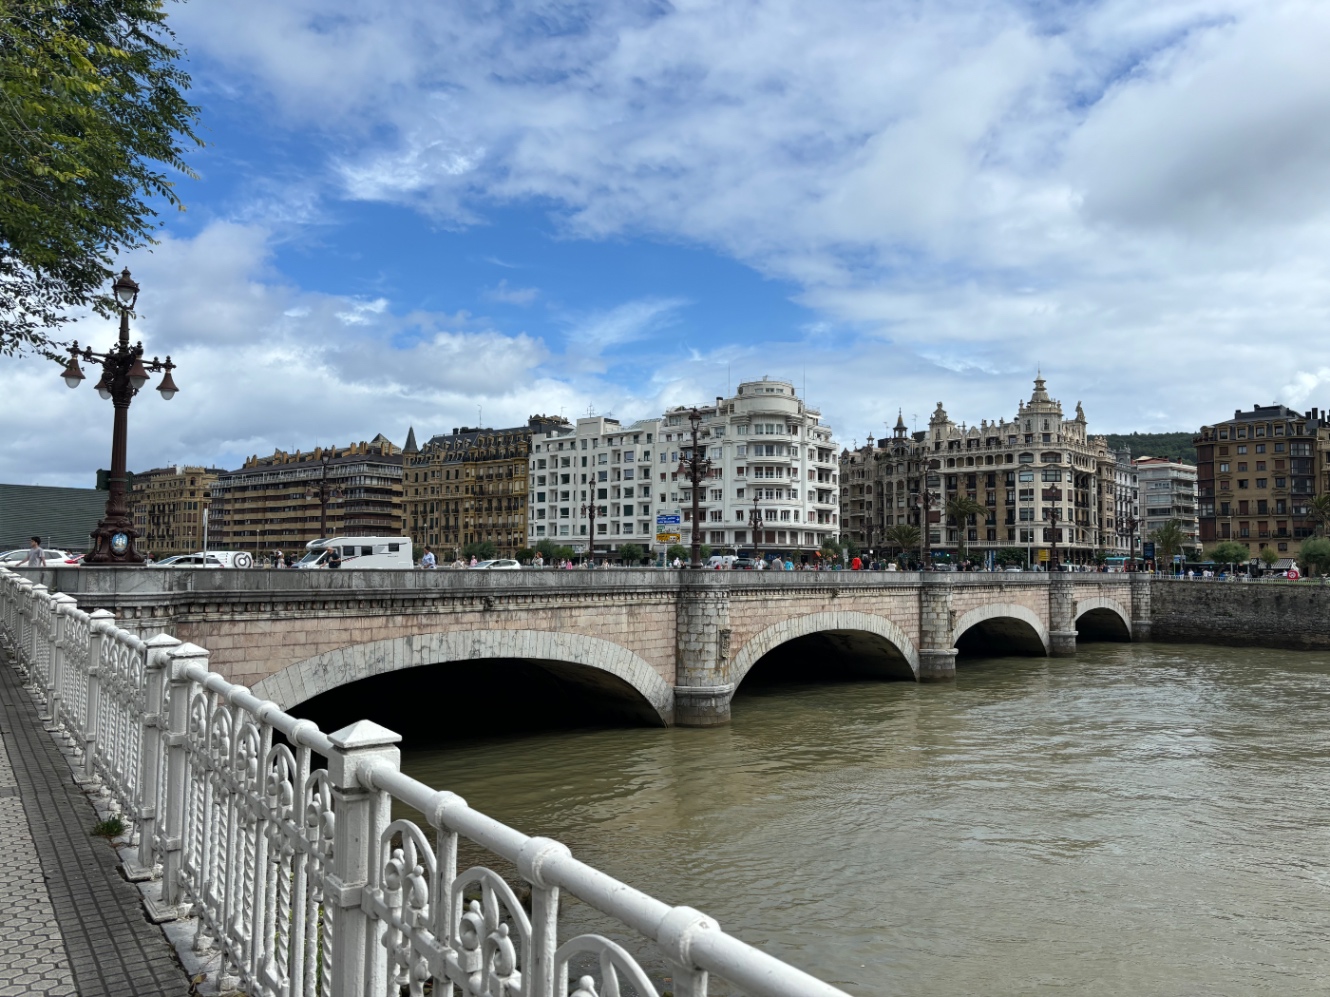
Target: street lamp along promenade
[[322, 491], [124, 373], [589, 511], [755, 519], [698, 468]]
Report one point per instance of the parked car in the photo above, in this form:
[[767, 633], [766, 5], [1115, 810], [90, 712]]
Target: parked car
[[498, 564], [743, 564], [54, 557], [190, 561]]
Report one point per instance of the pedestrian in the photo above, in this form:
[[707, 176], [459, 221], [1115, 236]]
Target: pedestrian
[[277, 559], [334, 557], [427, 560], [677, 564], [540, 560], [856, 564], [473, 560], [36, 556]]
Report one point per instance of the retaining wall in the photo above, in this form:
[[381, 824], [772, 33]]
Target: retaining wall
[[1294, 615]]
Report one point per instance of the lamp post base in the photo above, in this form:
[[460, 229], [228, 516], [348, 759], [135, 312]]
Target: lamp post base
[[113, 544]]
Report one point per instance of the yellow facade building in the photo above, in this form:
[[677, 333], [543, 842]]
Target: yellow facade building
[[471, 486], [168, 505]]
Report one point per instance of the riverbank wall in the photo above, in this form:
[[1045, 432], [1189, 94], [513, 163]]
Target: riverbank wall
[[1294, 615]]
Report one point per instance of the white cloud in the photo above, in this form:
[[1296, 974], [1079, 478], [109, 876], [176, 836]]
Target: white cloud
[[263, 365], [509, 295], [1133, 194]]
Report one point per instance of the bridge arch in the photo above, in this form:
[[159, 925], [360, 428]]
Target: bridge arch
[[845, 622], [1103, 617], [1008, 623], [599, 661]]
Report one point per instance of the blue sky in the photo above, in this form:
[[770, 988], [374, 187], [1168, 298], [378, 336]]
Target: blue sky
[[409, 214]]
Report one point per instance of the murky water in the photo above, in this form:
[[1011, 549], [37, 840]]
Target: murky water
[[1144, 820]]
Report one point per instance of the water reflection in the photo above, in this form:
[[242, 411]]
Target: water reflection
[[1141, 818]]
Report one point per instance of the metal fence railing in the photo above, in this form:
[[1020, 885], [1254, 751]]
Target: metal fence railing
[[279, 840]]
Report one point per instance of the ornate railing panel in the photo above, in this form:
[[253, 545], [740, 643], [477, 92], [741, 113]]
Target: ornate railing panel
[[278, 840]]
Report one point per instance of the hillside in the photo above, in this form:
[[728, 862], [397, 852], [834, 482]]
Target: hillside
[[1175, 445]]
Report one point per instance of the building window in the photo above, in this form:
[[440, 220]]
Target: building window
[[1242, 482]]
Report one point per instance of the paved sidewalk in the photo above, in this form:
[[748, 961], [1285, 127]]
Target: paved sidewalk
[[69, 922]]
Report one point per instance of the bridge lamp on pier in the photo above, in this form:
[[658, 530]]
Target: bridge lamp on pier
[[698, 468], [124, 374]]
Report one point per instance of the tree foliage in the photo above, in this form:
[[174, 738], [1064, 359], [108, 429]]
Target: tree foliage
[[904, 538], [1315, 556], [481, 550], [1011, 555], [1230, 552], [1175, 446], [959, 509], [632, 554], [1318, 511], [1268, 556], [93, 122], [1168, 540]]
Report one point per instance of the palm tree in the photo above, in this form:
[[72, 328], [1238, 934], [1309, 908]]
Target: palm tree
[[1318, 510], [959, 510], [904, 536], [1168, 540]]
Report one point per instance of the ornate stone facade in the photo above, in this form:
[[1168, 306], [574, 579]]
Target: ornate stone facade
[[1039, 475], [471, 486], [168, 504]]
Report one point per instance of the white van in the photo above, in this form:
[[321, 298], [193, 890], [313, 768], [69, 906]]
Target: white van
[[359, 553]]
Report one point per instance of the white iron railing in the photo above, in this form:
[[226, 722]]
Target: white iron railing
[[279, 839]]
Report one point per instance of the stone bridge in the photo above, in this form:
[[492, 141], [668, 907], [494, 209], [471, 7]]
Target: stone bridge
[[671, 645]]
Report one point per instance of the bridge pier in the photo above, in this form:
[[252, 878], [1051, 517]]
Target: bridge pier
[[937, 658], [1061, 616], [1141, 610], [702, 690]]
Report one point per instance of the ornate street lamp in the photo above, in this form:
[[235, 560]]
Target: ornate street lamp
[[124, 374], [589, 511], [925, 502], [1127, 528], [697, 467], [323, 491], [755, 520]]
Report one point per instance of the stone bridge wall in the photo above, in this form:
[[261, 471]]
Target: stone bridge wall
[[681, 640]]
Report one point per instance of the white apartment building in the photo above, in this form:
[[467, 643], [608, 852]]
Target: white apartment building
[[1168, 491], [1119, 540], [767, 446], [602, 463], [764, 444]]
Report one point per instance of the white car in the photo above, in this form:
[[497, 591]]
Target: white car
[[189, 561], [54, 557], [498, 564]]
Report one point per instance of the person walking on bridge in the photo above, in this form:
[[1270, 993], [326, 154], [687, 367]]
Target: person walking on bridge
[[36, 556]]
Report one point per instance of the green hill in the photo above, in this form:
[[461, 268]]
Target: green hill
[[1175, 445]]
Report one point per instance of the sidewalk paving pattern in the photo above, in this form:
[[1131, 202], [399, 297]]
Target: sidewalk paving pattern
[[69, 922]]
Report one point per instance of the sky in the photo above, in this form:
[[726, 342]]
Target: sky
[[437, 215]]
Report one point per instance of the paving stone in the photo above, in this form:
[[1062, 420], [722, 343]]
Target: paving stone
[[71, 924]]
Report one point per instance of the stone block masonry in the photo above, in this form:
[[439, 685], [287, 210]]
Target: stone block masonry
[[1293, 615]]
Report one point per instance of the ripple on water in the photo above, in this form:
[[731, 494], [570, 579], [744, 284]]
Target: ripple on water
[[1145, 819]]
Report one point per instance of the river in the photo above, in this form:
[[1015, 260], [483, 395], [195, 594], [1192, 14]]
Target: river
[[1140, 819]]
